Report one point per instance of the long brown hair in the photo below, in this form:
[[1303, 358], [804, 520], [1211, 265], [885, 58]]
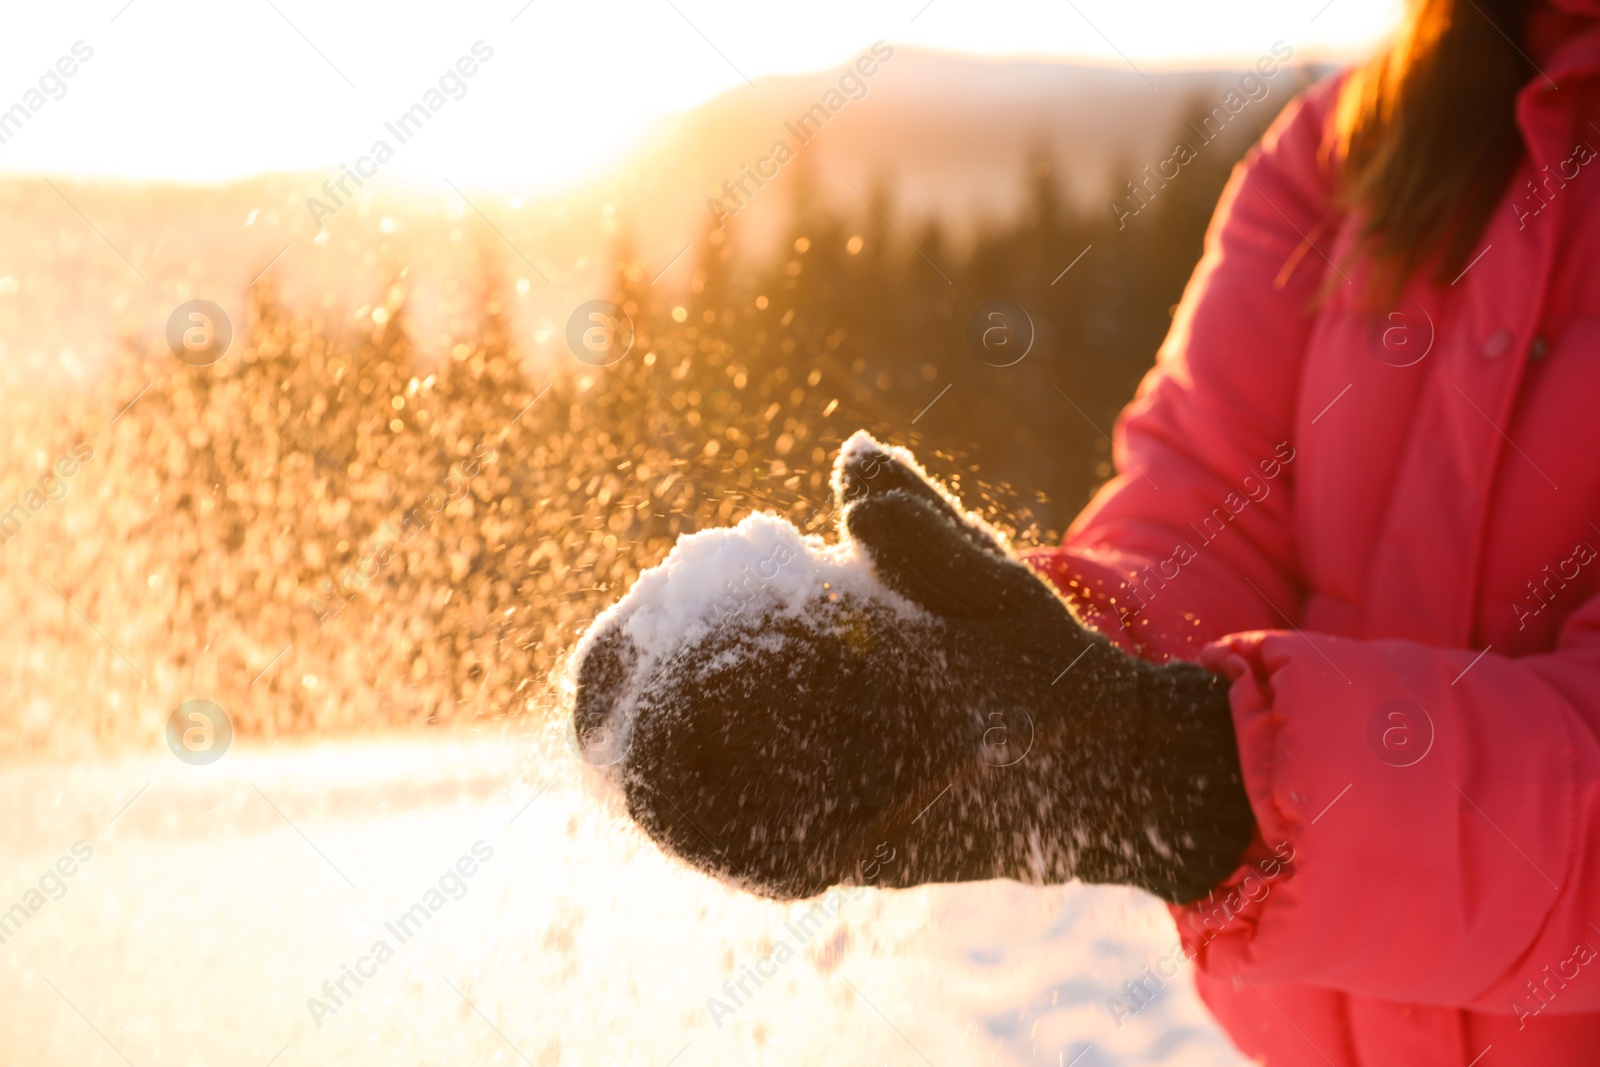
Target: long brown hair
[[1427, 135]]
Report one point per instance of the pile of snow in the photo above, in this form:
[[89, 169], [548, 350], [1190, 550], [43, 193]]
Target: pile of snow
[[745, 577], [761, 567]]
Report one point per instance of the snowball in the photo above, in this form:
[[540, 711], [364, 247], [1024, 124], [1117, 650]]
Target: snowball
[[758, 569], [716, 599]]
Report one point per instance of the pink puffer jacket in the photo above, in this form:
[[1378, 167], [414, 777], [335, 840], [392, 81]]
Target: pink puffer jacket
[[1386, 531]]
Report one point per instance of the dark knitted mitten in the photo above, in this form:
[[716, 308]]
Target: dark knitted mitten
[[951, 722]]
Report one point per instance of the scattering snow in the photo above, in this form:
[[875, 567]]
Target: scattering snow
[[861, 443], [748, 574]]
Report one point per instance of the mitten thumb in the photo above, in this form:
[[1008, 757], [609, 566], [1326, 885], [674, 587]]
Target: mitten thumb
[[931, 560]]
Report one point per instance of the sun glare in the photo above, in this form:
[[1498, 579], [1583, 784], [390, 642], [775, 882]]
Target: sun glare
[[561, 90]]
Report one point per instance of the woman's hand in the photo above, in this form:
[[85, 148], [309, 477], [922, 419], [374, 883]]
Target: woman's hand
[[949, 721]]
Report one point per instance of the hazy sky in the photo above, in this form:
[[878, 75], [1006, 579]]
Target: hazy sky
[[197, 90]]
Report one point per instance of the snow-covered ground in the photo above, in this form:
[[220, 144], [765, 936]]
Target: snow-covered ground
[[218, 901]]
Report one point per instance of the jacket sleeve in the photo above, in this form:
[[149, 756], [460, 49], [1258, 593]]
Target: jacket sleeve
[[1461, 866], [1192, 539], [1430, 818]]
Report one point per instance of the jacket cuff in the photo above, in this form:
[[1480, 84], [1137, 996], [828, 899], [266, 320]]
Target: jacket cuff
[[1395, 872]]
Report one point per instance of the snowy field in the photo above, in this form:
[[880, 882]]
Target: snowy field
[[218, 901]]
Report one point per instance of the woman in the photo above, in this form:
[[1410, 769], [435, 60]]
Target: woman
[[1360, 488]]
